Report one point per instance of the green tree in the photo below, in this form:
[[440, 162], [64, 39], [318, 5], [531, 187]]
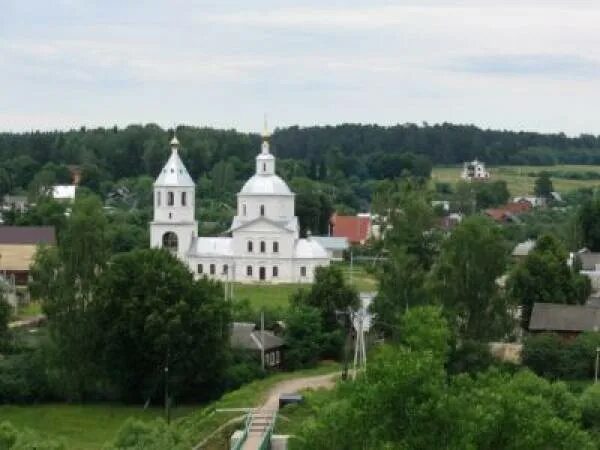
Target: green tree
[[464, 279], [329, 293], [545, 277], [303, 337], [491, 193], [5, 314], [590, 402], [543, 185], [64, 278], [149, 312], [411, 245], [589, 223], [424, 328], [405, 400]]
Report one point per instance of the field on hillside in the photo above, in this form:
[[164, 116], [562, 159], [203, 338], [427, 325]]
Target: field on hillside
[[82, 427], [519, 183]]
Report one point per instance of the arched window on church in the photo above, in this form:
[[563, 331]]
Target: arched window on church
[[183, 198], [243, 209], [158, 198], [250, 247], [169, 241], [263, 247], [262, 210], [264, 167], [275, 247], [170, 198]]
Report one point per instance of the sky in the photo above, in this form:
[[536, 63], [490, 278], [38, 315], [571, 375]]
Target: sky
[[520, 65]]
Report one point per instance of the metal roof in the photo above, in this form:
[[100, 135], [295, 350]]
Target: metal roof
[[309, 249], [523, 248], [558, 317], [27, 235], [174, 173], [261, 184], [64, 192], [332, 242], [245, 336]]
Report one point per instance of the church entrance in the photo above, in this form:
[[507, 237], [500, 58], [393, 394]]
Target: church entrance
[[262, 274]]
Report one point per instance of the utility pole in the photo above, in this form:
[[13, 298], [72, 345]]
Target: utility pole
[[167, 400], [348, 326], [597, 364], [262, 340], [351, 266]]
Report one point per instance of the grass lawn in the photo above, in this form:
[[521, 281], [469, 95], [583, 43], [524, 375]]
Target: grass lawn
[[79, 426], [519, 183], [271, 296], [30, 310], [266, 295]]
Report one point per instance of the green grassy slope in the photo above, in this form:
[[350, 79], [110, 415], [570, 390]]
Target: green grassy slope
[[519, 183]]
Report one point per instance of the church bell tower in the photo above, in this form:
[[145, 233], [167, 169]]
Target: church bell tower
[[174, 226]]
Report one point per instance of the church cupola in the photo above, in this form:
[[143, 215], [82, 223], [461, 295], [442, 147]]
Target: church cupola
[[265, 161]]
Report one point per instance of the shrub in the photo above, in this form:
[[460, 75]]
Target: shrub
[[551, 357], [590, 407], [543, 354], [470, 357]]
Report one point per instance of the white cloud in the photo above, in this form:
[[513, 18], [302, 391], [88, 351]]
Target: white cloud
[[515, 64]]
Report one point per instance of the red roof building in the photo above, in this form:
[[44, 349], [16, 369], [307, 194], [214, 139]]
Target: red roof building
[[357, 229], [507, 212]]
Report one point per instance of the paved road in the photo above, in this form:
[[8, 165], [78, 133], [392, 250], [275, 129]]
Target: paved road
[[262, 416]]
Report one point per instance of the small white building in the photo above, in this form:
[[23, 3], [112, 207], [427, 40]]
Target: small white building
[[65, 193], [522, 249], [263, 242], [474, 170], [535, 201]]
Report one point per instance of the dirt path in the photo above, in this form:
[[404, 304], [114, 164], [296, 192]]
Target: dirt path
[[263, 413], [298, 384]]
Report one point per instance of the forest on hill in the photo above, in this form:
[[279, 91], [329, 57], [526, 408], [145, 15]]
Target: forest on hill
[[330, 167]]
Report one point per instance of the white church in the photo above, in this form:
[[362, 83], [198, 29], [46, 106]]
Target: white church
[[263, 243]]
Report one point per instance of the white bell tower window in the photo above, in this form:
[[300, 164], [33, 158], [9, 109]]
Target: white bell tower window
[[170, 198], [243, 209], [183, 198], [158, 198], [262, 210]]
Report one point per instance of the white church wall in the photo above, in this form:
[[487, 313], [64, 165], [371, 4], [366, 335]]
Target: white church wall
[[183, 231], [276, 208], [177, 212]]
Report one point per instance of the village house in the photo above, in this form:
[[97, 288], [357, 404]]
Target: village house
[[533, 200], [522, 249], [245, 337], [588, 263], [18, 246], [474, 171], [356, 229], [509, 212], [568, 321], [15, 202]]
